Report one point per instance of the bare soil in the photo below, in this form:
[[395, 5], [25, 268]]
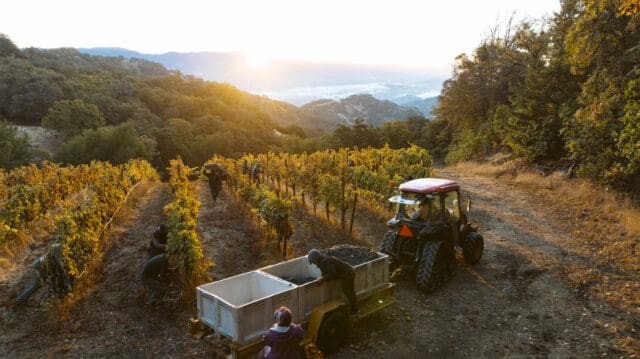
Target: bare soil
[[518, 301]]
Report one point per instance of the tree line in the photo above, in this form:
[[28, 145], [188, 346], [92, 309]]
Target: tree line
[[564, 89]]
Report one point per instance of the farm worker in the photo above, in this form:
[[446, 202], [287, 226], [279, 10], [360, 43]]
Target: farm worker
[[424, 210], [334, 268], [282, 341], [158, 242], [428, 211], [49, 264], [154, 276], [255, 173], [215, 174], [39, 277]]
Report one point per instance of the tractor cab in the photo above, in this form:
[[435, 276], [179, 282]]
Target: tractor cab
[[427, 227], [429, 200]]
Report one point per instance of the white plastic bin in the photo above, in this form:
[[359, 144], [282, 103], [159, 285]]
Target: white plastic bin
[[369, 276], [310, 294], [241, 307]]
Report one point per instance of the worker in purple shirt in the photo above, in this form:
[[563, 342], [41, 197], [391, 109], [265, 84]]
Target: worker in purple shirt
[[282, 341]]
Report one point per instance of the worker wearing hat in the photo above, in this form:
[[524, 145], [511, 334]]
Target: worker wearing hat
[[282, 341]]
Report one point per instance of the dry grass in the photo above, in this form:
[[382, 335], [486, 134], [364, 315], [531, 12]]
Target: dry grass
[[604, 228], [577, 193]]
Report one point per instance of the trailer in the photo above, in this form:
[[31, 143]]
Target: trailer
[[240, 308]]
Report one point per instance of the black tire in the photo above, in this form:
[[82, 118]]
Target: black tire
[[333, 331], [431, 267], [388, 247], [389, 242], [472, 248]]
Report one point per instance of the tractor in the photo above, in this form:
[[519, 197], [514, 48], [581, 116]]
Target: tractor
[[426, 229]]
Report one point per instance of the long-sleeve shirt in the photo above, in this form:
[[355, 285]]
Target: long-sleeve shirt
[[332, 267], [284, 342]]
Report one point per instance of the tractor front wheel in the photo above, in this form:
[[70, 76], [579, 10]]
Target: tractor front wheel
[[389, 242], [472, 248], [389, 247]]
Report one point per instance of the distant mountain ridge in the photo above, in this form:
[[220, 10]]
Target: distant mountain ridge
[[345, 111], [423, 104], [296, 82]]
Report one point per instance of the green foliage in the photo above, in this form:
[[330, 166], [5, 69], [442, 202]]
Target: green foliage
[[530, 126], [32, 194], [115, 144], [70, 117], [396, 134], [550, 94], [273, 209], [15, 150], [358, 135], [224, 119], [22, 207], [591, 133], [628, 143], [331, 177], [7, 47], [436, 137], [469, 145]]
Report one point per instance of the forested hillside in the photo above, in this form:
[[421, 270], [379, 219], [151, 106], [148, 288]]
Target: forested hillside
[[366, 107], [112, 108], [563, 88]]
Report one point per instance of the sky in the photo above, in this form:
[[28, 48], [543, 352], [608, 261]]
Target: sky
[[410, 33]]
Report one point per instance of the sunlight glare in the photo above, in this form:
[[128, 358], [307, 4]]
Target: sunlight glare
[[257, 60]]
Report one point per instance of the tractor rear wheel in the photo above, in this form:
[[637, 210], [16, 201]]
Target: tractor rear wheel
[[472, 248], [432, 267], [333, 331]]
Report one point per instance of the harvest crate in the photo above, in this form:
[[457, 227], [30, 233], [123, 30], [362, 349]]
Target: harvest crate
[[241, 307]]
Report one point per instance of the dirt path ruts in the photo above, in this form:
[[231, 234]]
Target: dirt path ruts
[[228, 238], [514, 303]]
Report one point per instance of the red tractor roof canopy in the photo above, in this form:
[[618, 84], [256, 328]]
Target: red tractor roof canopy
[[429, 185]]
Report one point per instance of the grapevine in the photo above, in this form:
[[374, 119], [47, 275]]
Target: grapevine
[[80, 229], [183, 242], [340, 180], [272, 210], [30, 193]]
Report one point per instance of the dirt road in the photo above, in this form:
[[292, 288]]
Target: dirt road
[[515, 303]]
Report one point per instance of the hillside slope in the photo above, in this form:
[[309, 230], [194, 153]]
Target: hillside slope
[[345, 111], [173, 114]]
